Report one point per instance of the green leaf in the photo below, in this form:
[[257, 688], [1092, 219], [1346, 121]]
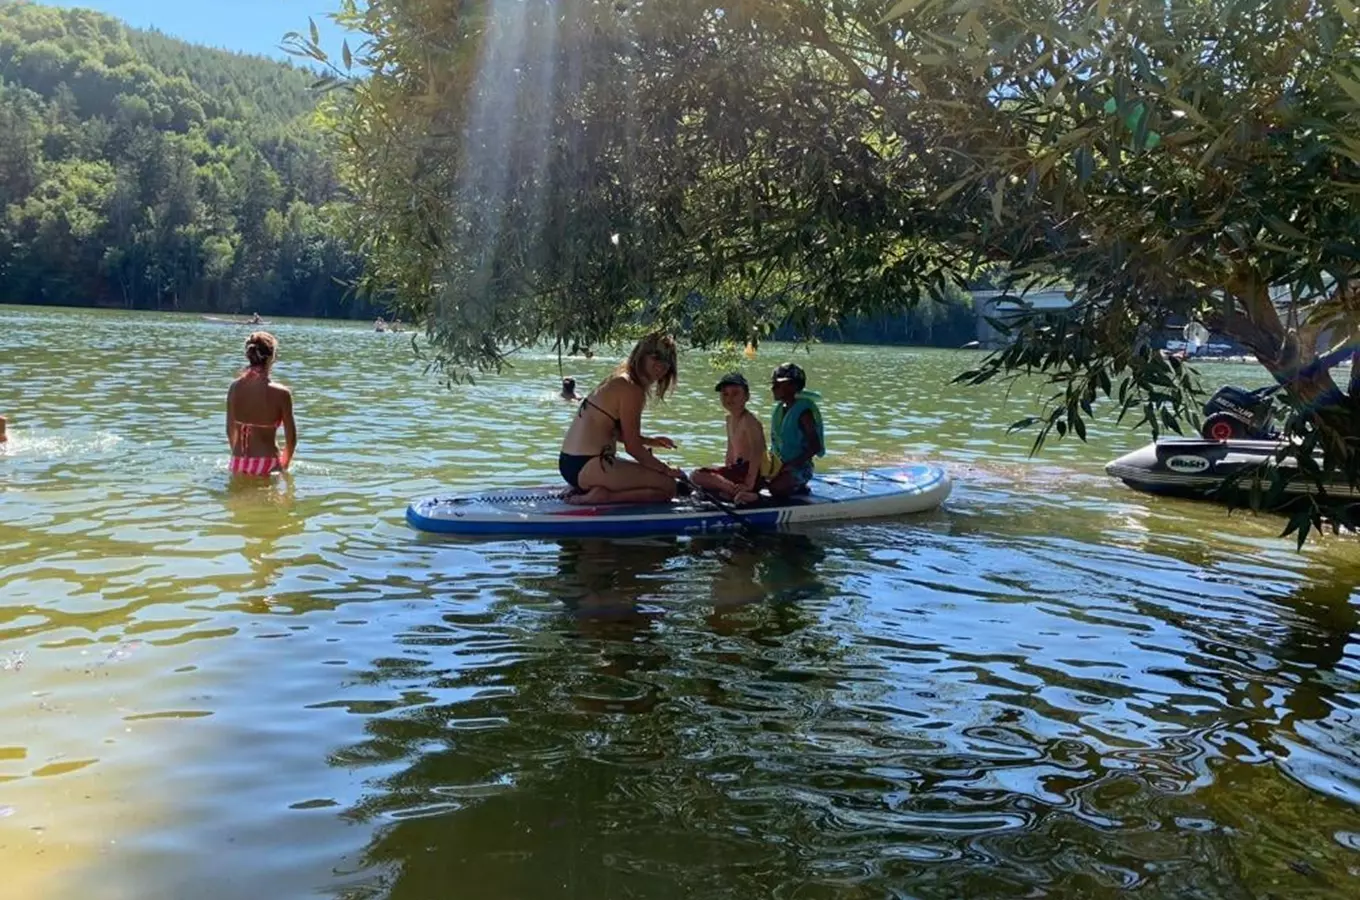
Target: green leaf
[[900, 10], [1086, 164], [1055, 92], [345, 54], [316, 35], [1212, 153], [1349, 85], [1327, 33]]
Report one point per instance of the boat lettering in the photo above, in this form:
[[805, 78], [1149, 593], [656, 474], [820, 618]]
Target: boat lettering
[[1187, 464]]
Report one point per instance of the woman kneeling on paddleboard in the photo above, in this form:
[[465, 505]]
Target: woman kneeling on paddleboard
[[613, 413], [256, 407]]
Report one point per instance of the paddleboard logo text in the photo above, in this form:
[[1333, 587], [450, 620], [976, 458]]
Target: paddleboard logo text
[[1187, 464]]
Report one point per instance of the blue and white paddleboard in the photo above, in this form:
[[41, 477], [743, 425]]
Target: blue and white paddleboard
[[541, 511]]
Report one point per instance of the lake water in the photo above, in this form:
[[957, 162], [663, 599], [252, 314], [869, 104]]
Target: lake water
[[1051, 687]]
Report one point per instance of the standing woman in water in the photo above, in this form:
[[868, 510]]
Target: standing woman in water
[[256, 407], [613, 413]]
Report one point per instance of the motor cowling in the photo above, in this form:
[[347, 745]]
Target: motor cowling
[[1237, 413]]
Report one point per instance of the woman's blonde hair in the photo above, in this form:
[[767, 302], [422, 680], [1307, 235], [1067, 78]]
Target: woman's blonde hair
[[657, 344], [262, 348]]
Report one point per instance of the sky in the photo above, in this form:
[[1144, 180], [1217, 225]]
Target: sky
[[249, 26]]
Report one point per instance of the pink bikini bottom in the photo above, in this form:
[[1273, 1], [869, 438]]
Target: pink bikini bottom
[[254, 465]]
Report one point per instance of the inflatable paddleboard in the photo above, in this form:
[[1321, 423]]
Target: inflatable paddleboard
[[540, 511]]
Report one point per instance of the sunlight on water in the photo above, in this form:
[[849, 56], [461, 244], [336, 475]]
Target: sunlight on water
[[1051, 687]]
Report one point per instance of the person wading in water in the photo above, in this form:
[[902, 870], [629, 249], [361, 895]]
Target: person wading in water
[[256, 407]]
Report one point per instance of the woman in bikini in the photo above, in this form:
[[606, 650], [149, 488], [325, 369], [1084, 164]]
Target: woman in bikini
[[613, 413], [256, 407]]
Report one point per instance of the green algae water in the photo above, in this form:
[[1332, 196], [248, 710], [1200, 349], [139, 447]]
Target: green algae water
[[1051, 687]]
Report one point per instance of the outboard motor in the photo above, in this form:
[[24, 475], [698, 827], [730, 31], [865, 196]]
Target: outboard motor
[[1234, 413]]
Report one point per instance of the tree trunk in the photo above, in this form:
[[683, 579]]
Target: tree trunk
[[1307, 381]]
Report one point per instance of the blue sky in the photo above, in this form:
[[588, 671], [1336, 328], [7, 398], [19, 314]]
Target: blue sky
[[251, 26]]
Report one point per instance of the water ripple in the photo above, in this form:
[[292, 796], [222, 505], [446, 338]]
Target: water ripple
[[1051, 687]]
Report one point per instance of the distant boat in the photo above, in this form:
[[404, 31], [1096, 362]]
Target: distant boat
[[218, 320]]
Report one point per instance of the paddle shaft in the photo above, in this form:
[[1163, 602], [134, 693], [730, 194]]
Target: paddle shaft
[[726, 508], [862, 475]]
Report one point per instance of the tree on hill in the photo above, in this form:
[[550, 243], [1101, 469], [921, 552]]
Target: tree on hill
[[140, 171]]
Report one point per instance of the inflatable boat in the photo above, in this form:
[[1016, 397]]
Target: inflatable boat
[[1199, 469]]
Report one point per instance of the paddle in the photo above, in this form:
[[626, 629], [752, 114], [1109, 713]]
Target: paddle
[[726, 508], [861, 475]]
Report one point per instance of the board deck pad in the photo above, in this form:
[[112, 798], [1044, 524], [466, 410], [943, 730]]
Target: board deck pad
[[540, 510]]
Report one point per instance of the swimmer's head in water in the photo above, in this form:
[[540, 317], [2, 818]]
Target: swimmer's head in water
[[262, 348], [652, 364], [568, 387]]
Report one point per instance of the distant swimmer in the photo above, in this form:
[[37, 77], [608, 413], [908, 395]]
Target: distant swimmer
[[569, 390], [3, 424], [256, 408], [255, 319]]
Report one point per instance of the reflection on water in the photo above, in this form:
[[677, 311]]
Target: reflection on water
[[612, 730], [275, 689]]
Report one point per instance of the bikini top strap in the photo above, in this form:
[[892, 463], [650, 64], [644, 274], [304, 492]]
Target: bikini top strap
[[618, 423]]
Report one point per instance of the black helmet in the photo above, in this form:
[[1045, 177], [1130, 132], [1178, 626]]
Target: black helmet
[[790, 372]]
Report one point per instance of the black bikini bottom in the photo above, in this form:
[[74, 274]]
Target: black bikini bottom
[[571, 464]]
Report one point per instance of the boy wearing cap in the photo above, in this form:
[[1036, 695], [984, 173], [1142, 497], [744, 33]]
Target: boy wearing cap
[[796, 433], [738, 478]]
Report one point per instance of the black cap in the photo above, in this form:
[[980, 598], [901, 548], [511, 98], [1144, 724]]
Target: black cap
[[789, 372], [733, 378]]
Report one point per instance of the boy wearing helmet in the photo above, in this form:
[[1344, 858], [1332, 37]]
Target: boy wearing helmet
[[797, 436]]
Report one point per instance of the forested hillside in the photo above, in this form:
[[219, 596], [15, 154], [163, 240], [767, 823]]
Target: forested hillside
[[139, 171]]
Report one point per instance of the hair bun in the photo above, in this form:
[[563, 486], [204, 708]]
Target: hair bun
[[260, 348]]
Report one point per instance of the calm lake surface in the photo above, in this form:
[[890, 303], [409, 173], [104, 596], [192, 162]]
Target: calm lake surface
[[1052, 687]]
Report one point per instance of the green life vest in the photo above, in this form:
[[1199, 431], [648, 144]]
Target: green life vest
[[786, 438]]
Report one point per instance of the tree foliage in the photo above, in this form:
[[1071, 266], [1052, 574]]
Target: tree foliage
[[143, 172], [571, 168]]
